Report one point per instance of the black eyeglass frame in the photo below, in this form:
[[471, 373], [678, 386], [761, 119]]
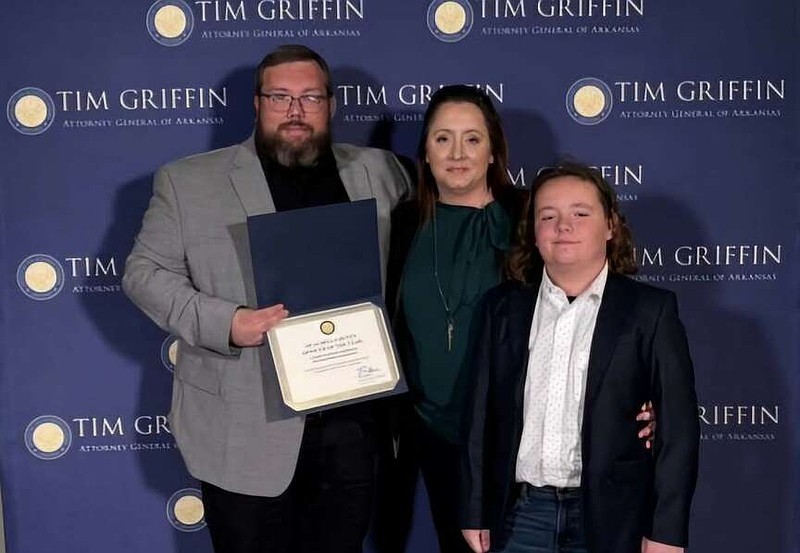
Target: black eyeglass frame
[[282, 102]]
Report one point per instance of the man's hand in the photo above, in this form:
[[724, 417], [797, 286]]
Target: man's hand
[[249, 325], [478, 540], [656, 547], [648, 432]]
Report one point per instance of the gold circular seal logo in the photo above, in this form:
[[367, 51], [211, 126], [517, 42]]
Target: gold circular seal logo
[[327, 327], [172, 352], [48, 437], [589, 101], [30, 111], [450, 18], [41, 277], [188, 510], [170, 21], [185, 510]]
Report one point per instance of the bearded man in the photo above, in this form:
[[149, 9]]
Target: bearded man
[[272, 480]]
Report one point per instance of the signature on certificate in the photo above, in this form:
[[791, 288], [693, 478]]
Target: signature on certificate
[[365, 371]]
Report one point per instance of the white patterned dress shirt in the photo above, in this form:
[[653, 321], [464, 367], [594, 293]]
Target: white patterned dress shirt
[[559, 346]]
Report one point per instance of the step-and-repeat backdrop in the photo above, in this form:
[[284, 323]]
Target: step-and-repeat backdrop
[[689, 108]]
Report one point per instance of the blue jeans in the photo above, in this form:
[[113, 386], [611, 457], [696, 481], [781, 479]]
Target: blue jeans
[[545, 520]]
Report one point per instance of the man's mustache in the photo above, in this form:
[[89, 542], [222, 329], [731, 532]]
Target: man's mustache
[[295, 125]]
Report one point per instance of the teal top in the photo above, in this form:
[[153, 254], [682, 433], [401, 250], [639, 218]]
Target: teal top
[[469, 242]]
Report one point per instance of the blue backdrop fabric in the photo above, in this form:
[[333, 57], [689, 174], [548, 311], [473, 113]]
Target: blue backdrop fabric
[[689, 108]]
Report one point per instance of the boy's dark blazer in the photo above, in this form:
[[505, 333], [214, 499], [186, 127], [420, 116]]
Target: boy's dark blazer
[[639, 352]]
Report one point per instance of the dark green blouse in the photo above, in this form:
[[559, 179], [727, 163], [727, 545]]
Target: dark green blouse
[[470, 243]]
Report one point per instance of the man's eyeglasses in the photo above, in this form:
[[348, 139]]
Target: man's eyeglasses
[[278, 101]]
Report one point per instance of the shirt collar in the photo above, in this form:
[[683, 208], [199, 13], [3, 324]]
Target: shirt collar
[[594, 291]]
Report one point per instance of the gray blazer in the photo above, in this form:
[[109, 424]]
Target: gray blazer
[[190, 269]]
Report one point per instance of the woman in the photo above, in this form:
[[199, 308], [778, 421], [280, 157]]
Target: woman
[[565, 357], [448, 248]]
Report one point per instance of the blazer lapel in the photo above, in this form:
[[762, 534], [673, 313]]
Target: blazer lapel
[[615, 309], [520, 316], [355, 176], [250, 186], [247, 178], [513, 336]]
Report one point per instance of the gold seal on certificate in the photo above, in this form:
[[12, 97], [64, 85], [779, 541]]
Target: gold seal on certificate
[[333, 356]]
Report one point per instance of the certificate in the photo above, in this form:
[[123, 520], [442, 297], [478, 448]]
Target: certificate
[[334, 356], [313, 260]]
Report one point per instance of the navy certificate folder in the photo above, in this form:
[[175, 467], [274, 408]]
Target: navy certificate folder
[[315, 258]]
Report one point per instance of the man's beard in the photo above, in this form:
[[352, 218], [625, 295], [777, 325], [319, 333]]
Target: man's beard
[[292, 154]]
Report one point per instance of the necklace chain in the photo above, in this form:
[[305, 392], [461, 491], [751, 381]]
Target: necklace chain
[[448, 313]]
